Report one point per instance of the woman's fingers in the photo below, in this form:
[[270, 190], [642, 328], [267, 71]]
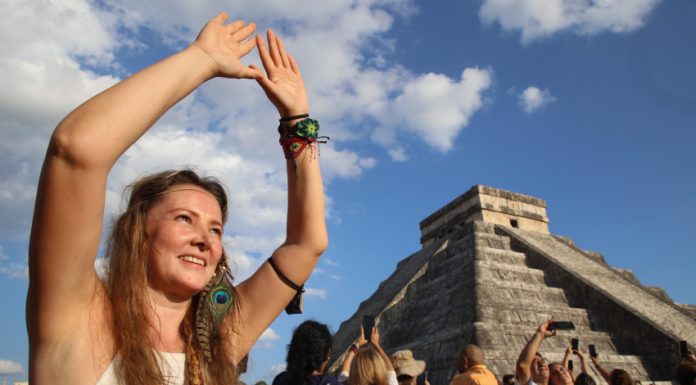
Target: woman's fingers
[[234, 26], [273, 48], [243, 33], [294, 67], [246, 47], [263, 53], [283, 54]]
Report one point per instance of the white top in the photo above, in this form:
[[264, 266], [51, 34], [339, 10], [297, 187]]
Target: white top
[[173, 366]]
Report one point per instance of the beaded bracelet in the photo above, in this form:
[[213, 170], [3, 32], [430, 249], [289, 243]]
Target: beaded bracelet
[[294, 139]]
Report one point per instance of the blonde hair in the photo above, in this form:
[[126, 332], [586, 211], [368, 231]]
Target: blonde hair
[[368, 368], [128, 253]]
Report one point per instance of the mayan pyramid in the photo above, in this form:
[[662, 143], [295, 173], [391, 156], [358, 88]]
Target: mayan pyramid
[[489, 273]]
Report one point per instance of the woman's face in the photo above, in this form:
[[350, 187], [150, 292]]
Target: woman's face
[[185, 228]]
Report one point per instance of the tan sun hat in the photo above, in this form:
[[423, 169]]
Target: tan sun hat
[[404, 363]]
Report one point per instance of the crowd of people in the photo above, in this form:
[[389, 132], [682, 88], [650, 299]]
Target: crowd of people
[[366, 363]]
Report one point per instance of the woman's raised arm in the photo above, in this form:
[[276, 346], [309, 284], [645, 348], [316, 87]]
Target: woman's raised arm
[[70, 199], [264, 295]]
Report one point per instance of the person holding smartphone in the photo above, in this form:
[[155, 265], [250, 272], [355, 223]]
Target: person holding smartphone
[[371, 364], [531, 368], [584, 368]]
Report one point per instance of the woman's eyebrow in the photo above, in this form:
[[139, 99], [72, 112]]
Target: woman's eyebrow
[[195, 214]]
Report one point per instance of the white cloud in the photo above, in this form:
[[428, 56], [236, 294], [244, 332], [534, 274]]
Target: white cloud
[[8, 367], [274, 370], [331, 262], [436, 108], [317, 293], [227, 128], [12, 269], [266, 339], [536, 19], [532, 99], [269, 335]]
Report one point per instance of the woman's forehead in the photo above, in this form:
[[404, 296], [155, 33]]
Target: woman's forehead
[[190, 197]]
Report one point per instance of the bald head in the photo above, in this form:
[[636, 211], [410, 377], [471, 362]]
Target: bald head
[[469, 355]]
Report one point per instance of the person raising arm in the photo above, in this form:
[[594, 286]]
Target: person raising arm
[[165, 250]]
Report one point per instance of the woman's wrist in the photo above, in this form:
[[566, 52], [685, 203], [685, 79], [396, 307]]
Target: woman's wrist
[[208, 66]]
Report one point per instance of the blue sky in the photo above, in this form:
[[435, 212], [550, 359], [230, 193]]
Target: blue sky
[[588, 105]]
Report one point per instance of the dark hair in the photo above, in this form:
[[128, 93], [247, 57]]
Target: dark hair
[[508, 379], [584, 379], [620, 377], [307, 352], [686, 372]]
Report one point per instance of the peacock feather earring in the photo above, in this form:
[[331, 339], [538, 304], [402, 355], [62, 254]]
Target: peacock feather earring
[[215, 302]]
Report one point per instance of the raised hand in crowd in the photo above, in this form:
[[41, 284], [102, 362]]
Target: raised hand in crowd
[[531, 366]]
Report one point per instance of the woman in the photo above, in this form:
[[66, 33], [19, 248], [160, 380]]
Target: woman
[[138, 328], [370, 364], [308, 354]]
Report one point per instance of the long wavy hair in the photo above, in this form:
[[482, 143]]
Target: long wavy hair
[[367, 368], [308, 351], [128, 252]]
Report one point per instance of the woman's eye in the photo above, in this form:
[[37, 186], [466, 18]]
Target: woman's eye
[[183, 218], [217, 231]]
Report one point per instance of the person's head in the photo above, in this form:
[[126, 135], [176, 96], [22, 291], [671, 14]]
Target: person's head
[[559, 375], [509, 379], [168, 240], [169, 237], [620, 377], [686, 372], [407, 368], [308, 351], [584, 379], [468, 357], [367, 368], [540, 370]]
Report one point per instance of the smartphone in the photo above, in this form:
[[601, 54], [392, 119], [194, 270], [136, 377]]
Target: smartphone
[[562, 325], [575, 343], [593, 350], [368, 323], [683, 349], [570, 365], [420, 380]]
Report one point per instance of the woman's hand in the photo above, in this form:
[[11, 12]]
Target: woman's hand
[[226, 45], [374, 337], [361, 341], [283, 84]]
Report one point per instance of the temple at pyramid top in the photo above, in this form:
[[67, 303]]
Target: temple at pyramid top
[[487, 204]]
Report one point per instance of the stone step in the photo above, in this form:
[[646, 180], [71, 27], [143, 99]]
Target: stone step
[[490, 270], [491, 240], [503, 292], [532, 315], [501, 256]]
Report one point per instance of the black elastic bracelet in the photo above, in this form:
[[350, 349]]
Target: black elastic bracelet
[[293, 117], [284, 278]]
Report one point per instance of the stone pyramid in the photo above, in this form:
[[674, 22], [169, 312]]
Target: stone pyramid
[[489, 273]]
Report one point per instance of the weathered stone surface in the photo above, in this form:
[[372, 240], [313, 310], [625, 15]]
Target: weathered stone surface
[[492, 285]]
